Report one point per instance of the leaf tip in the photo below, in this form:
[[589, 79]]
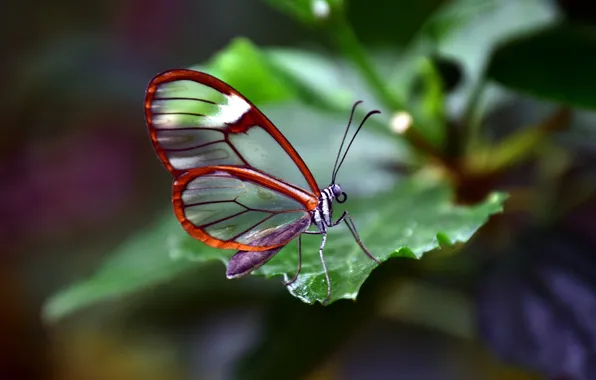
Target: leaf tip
[[444, 240], [405, 252]]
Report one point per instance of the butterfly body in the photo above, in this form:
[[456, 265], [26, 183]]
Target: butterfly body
[[229, 191], [323, 213]]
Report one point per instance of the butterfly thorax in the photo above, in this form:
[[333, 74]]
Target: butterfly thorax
[[321, 215]]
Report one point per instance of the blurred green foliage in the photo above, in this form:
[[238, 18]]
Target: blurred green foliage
[[524, 65], [417, 190]]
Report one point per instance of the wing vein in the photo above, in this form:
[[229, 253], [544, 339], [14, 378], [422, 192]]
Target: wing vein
[[251, 227], [193, 147], [212, 202], [189, 129], [236, 150], [183, 98], [180, 113], [203, 226]]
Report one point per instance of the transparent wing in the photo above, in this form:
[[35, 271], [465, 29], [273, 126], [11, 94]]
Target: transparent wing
[[196, 120], [238, 208]]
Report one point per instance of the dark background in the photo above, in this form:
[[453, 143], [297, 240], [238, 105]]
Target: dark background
[[79, 176]]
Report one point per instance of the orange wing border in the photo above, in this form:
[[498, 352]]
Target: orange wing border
[[249, 120], [309, 201]]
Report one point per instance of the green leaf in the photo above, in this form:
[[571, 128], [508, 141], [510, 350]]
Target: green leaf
[[556, 64], [244, 66], [402, 223], [138, 263], [454, 15], [321, 80]]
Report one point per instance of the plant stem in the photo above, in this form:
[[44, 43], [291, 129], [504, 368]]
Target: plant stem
[[472, 118]]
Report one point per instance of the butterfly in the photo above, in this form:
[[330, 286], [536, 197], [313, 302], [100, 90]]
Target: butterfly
[[231, 188]]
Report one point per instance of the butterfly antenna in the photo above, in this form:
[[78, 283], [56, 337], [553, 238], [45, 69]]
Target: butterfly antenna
[[333, 172], [351, 141]]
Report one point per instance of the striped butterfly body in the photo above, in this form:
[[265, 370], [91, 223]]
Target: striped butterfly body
[[238, 182]]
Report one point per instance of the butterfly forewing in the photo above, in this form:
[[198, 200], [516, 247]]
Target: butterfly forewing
[[230, 207], [196, 120]]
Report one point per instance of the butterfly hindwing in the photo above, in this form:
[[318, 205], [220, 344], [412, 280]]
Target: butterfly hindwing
[[239, 208], [244, 262]]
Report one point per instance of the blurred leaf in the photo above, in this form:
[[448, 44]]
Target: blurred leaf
[[453, 15], [307, 11], [429, 104], [141, 262], [244, 66], [556, 64], [327, 84], [468, 30], [317, 75]]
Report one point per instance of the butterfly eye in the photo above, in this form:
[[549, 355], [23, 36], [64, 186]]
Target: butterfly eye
[[336, 190]]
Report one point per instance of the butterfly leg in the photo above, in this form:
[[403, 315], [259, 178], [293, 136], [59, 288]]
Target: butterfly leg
[[321, 248], [345, 217], [287, 283]]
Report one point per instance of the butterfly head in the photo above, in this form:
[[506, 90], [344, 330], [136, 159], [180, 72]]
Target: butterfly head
[[338, 194]]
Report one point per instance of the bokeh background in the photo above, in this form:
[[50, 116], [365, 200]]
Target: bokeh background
[[79, 177]]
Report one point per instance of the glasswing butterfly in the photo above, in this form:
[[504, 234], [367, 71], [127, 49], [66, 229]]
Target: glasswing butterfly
[[231, 188]]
